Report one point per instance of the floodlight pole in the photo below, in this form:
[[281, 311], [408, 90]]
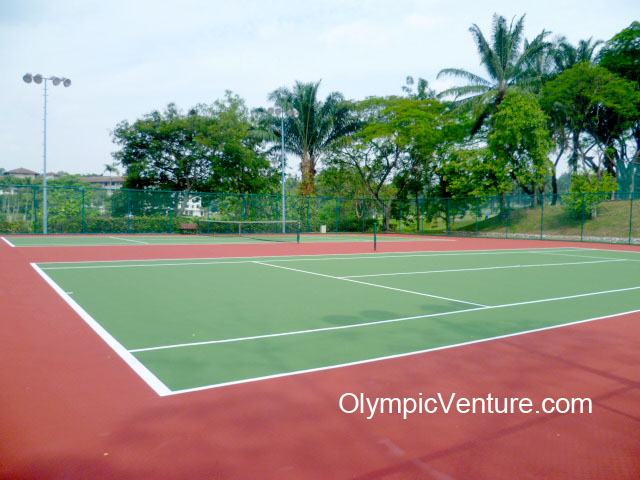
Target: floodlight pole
[[291, 113], [284, 198], [45, 208], [28, 78]]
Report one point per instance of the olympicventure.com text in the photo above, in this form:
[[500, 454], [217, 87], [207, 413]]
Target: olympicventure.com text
[[451, 403]]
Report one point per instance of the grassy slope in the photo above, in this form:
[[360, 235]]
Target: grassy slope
[[611, 221]]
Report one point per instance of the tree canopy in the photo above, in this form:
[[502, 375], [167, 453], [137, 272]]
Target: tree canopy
[[541, 102], [208, 148]]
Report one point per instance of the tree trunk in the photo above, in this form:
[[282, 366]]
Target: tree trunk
[[307, 168], [387, 215]]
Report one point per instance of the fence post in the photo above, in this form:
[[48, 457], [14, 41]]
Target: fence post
[[337, 212], [35, 209], [128, 211], [308, 214], [84, 218], [448, 213], [584, 201], [244, 207], [631, 220], [542, 218], [508, 216], [477, 214]]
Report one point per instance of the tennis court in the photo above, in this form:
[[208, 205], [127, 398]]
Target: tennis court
[[168, 359], [187, 325]]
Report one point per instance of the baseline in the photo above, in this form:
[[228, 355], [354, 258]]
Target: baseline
[[399, 355], [154, 382]]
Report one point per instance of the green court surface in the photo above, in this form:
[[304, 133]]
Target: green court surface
[[103, 240], [185, 325]]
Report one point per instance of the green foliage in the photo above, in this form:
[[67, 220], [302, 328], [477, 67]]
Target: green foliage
[[589, 99], [578, 93], [621, 54], [237, 162], [566, 56], [521, 142], [206, 149], [474, 172], [397, 137], [340, 180], [588, 191]]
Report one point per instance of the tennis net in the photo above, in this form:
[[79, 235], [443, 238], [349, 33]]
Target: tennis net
[[264, 230]]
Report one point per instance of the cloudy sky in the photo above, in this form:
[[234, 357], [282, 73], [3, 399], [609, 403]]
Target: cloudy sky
[[127, 58]]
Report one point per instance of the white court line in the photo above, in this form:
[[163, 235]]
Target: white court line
[[578, 256], [483, 268], [128, 240], [144, 373], [8, 242], [372, 284], [378, 322], [296, 258], [346, 256], [612, 250], [399, 355]]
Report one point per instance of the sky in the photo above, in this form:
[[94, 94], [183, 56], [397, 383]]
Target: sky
[[127, 58]]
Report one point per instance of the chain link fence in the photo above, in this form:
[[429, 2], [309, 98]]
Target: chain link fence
[[602, 217]]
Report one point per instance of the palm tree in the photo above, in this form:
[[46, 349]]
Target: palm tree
[[566, 55], [506, 63], [310, 134], [111, 169]]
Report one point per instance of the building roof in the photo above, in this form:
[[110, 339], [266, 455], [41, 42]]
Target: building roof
[[104, 179], [21, 171]]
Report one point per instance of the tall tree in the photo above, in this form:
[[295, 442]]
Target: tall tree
[[111, 169], [162, 150], [621, 55], [562, 55], [599, 109], [318, 125], [208, 148], [395, 139], [506, 63], [236, 149], [520, 141]]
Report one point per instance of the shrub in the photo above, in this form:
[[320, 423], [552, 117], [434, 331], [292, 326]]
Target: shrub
[[587, 191]]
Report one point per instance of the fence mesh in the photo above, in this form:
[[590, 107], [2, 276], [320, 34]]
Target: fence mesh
[[603, 217]]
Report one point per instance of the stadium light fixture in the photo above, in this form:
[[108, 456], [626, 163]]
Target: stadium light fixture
[[293, 113], [38, 78]]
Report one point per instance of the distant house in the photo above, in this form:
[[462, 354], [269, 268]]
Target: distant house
[[111, 183], [23, 173], [26, 173]]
